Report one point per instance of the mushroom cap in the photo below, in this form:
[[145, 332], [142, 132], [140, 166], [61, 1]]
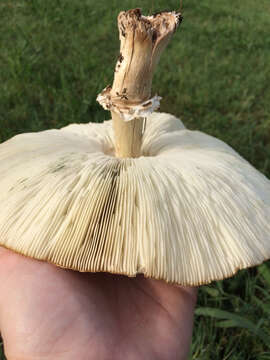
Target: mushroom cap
[[189, 211]]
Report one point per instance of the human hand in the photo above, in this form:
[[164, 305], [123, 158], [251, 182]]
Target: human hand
[[50, 313]]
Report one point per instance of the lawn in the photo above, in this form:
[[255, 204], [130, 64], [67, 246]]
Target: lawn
[[56, 56]]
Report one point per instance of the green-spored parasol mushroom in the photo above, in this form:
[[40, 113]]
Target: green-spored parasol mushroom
[[139, 193]]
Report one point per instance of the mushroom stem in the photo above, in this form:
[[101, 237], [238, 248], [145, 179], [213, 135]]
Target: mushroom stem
[[142, 38], [128, 136]]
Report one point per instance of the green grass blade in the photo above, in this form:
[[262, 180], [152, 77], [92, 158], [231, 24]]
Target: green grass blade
[[232, 320], [264, 306], [264, 271], [210, 291]]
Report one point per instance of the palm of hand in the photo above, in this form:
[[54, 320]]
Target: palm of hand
[[51, 313]]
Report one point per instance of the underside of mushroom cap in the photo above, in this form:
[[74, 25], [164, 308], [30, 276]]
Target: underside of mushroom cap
[[189, 211]]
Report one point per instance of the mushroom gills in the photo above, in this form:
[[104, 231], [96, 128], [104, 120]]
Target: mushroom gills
[[189, 210]]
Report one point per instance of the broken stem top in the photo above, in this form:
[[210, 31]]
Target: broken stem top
[[142, 38]]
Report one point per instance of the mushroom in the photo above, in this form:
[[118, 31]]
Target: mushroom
[[139, 193]]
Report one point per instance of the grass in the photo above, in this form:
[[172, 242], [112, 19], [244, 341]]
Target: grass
[[55, 56]]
